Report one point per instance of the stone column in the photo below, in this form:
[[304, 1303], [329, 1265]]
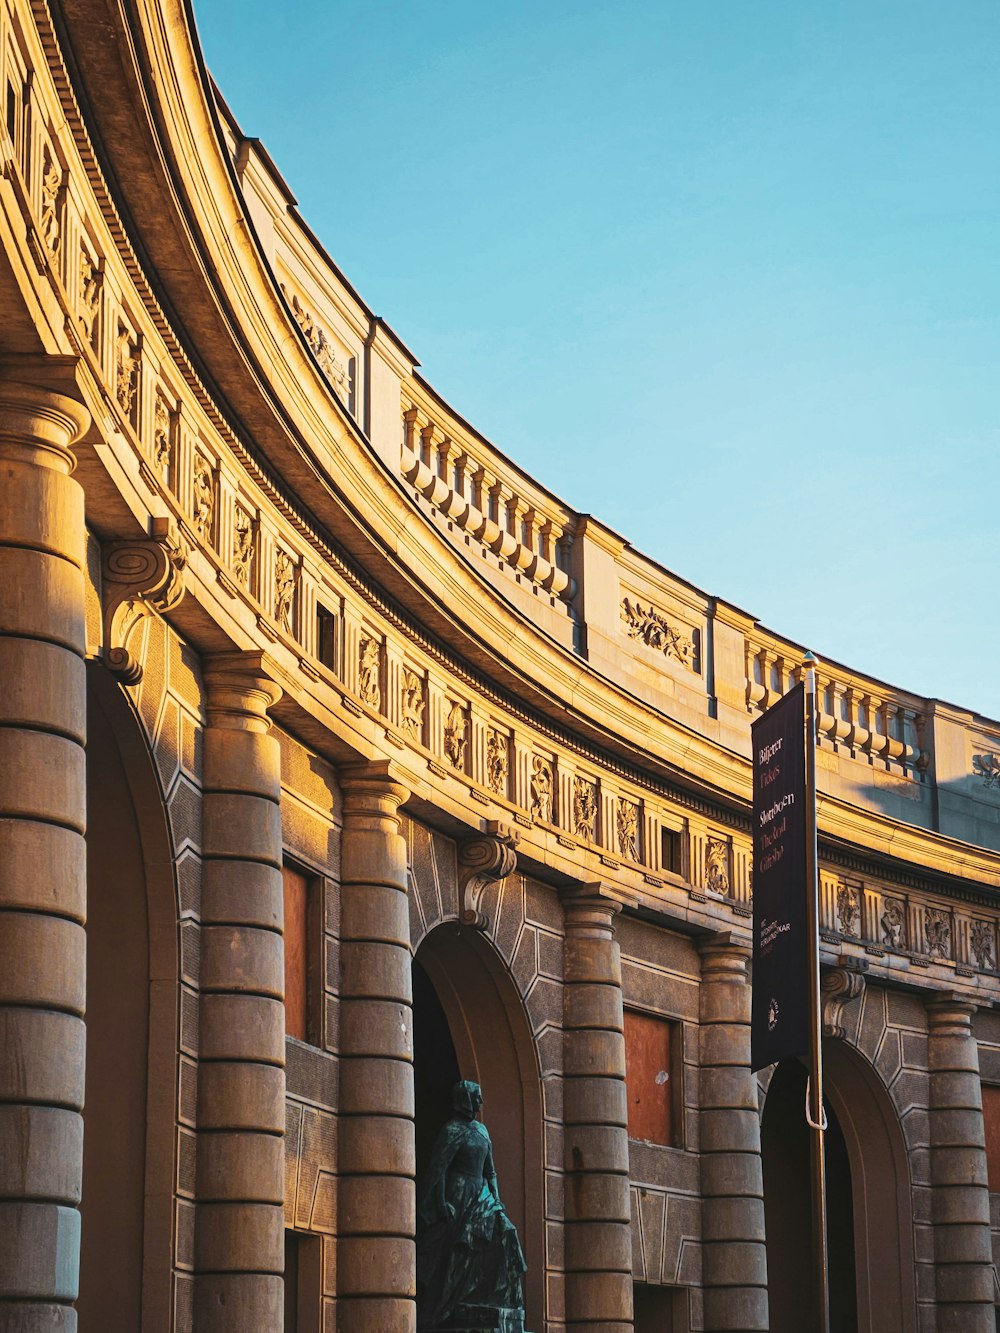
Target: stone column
[[376, 1246], [961, 1207], [734, 1257], [43, 862], [239, 1253], [598, 1220]]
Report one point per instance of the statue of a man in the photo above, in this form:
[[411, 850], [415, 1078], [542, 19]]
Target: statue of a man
[[468, 1253]]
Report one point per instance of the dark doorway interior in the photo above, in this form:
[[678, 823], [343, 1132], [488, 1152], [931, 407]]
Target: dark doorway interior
[[785, 1150], [435, 1068]]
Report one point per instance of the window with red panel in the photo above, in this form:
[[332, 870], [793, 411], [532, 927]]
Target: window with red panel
[[296, 886], [649, 1077]]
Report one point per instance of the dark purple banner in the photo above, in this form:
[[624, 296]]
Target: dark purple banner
[[779, 1025]]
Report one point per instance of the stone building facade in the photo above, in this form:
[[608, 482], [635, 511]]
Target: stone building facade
[[340, 759]]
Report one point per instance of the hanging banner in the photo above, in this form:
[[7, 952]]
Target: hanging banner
[[779, 1025]]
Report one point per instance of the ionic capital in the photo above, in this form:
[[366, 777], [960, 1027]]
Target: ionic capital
[[45, 423], [241, 687], [482, 860], [138, 578]]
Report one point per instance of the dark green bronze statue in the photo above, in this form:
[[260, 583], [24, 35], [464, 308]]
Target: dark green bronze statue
[[469, 1259]]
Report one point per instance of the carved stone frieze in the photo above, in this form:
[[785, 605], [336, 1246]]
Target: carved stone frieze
[[987, 767], [161, 436], [284, 590], [322, 349], [497, 761], [892, 921], [585, 809], [370, 670], [717, 866], [838, 987], [982, 941], [654, 630], [541, 789], [411, 704], [243, 546], [203, 496], [91, 281], [456, 736], [482, 860], [51, 186], [937, 932], [138, 578], [627, 820], [127, 365], [848, 909]]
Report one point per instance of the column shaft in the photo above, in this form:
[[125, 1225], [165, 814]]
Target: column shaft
[[598, 1218], [43, 862], [734, 1257], [961, 1208], [376, 1246], [241, 1078]]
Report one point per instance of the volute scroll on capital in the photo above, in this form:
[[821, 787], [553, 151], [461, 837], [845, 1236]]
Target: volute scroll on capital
[[139, 578], [484, 859]]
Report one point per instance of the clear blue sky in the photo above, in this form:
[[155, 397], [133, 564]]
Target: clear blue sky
[[724, 274]]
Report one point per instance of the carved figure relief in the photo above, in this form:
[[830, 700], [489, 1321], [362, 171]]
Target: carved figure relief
[[585, 809], [203, 497], [541, 789], [161, 436], [717, 866], [848, 909], [91, 279], [891, 922], [51, 183], [455, 736], [284, 589], [323, 350], [369, 669], [242, 561], [937, 932], [983, 942], [628, 829], [411, 704], [987, 767], [497, 760], [655, 631], [126, 370]]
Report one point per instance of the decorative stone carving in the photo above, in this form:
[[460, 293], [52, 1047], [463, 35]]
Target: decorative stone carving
[[628, 829], [411, 704], [983, 943], [455, 738], [203, 497], [497, 761], [987, 767], [937, 932], [482, 861], [541, 789], [892, 921], [848, 909], [243, 545], [369, 670], [839, 987], [51, 184], [717, 866], [138, 578], [284, 589], [585, 809], [655, 631], [323, 350], [126, 370], [161, 436], [91, 279]]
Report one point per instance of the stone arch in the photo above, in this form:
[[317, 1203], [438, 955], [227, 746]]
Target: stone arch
[[132, 1025]]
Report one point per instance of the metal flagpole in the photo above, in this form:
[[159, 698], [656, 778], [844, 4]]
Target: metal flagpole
[[815, 1114]]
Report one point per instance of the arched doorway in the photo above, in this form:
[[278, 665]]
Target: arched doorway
[[130, 1096], [870, 1240], [469, 1022]]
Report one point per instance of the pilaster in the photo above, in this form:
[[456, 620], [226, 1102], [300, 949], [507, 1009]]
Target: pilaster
[[376, 1240], [734, 1257], [239, 1252], [961, 1207], [43, 710], [598, 1217]]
